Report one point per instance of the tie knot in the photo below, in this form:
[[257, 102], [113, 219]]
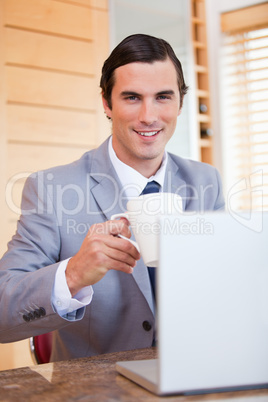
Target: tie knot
[[151, 187]]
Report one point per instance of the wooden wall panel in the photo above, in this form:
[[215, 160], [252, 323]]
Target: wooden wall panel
[[100, 4], [101, 28], [50, 16], [103, 4], [49, 52], [34, 124], [31, 86], [31, 157]]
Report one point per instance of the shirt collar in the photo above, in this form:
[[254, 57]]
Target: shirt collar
[[132, 181]]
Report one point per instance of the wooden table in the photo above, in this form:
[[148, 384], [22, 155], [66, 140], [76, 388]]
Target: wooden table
[[95, 379]]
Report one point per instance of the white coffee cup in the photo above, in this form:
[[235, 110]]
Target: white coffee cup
[[143, 213]]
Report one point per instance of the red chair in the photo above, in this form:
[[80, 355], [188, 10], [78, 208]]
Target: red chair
[[40, 347]]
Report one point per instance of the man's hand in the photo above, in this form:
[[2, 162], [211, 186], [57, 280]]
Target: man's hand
[[101, 251]]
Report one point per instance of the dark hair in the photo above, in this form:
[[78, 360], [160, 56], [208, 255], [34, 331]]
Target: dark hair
[[139, 48]]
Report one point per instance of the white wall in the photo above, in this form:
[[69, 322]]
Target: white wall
[[214, 10]]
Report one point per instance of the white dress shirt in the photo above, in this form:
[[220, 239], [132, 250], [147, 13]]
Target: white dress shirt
[[133, 183]]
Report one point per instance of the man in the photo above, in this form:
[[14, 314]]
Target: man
[[66, 270]]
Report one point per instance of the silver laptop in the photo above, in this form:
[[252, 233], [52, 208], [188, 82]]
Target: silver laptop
[[212, 303]]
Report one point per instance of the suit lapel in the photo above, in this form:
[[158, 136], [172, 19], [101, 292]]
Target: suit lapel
[[174, 182], [106, 187]]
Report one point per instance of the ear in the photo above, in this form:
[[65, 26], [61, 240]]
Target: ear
[[179, 112], [106, 108]]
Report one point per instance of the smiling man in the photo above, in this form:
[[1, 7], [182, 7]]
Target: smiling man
[[91, 286], [145, 105]]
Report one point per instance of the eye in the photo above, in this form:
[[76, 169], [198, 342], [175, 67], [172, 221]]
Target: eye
[[163, 97], [131, 98]]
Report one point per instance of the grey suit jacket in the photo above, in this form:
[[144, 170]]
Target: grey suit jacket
[[58, 207]]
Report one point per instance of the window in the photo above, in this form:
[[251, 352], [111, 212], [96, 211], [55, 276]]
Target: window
[[244, 82]]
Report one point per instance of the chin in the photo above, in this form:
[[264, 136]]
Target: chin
[[151, 155]]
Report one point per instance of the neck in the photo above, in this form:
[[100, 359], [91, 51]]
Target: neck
[[147, 164], [147, 168]]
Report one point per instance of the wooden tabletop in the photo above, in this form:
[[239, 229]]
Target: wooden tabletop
[[95, 379]]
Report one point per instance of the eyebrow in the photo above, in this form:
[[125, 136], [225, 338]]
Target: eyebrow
[[133, 93], [167, 92], [129, 93]]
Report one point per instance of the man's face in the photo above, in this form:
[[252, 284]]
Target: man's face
[[145, 105]]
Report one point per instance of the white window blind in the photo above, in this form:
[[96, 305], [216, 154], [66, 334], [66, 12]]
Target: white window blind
[[244, 88]]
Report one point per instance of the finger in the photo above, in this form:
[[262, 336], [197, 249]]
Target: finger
[[120, 256], [111, 247], [110, 258], [119, 227], [113, 227], [122, 245], [117, 265]]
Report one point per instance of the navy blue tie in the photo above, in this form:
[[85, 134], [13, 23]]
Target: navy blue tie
[[151, 187]]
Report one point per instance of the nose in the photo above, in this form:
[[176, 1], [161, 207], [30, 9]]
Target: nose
[[147, 113]]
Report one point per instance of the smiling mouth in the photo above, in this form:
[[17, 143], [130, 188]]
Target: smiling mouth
[[147, 133]]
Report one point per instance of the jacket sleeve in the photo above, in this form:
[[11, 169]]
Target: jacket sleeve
[[28, 268]]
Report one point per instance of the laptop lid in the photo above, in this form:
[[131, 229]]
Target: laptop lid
[[212, 303]]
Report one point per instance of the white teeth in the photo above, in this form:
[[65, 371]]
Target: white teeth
[[148, 134]]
